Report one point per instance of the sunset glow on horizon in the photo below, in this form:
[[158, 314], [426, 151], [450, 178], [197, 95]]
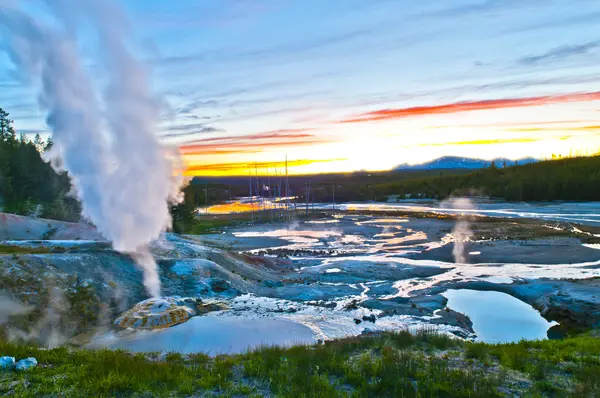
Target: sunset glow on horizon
[[428, 135]]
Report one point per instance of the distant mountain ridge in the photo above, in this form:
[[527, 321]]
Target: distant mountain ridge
[[454, 162]]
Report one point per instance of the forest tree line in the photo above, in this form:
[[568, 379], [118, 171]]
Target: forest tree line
[[28, 184], [576, 179]]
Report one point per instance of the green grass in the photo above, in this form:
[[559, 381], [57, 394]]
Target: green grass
[[476, 351], [15, 249], [206, 226], [389, 365]]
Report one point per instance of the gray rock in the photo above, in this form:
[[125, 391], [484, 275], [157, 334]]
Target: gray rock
[[369, 318], [273, 284], [453, 318], [431, 303], [395, 306], [371, 332]]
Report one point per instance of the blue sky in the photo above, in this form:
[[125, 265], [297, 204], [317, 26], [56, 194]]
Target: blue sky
[[247, 81]]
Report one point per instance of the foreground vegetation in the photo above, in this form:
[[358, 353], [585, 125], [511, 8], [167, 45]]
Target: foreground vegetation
[[393, 365]]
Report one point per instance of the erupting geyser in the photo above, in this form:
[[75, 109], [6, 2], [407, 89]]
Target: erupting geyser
[[104, 138]]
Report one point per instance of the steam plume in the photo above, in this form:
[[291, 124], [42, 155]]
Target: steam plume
[[119, 170], [462, 229]]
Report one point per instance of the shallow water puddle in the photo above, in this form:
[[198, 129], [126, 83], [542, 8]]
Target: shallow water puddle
[[498, 317], [213, 335]]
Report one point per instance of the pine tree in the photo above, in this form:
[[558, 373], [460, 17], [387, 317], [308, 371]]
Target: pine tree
[[38, 142], [27, 183]]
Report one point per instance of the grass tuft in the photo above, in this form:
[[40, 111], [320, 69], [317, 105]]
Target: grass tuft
[[424, 364]]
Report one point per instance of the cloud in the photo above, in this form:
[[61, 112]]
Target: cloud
[[560, 53], [577, 20], [197, 104], [244, 147], [189, 126], [284, 133], [470, 106], [245, 168], [184, 131], [256, 142], [474, 8], [481, 142], [453, 89], [22, 106], [236, 55], [202, 14], [589, 128], [513, 126], [279, 98]]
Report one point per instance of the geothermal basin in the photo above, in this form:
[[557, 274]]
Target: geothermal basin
[[353, 272]]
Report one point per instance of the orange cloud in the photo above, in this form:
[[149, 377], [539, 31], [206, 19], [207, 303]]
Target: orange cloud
[[242, 147], [265, 135], [256, 142], [468, 106], [245, 168]]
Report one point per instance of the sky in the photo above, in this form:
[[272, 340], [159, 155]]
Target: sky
[[345, 85]]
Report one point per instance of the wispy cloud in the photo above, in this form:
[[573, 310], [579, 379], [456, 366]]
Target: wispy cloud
[[186, 131], [191, 126], [480, 142], [263, 54], [587, 128], [203, 14], [469, 106], [253, 142], [511, 125], [565, 22], [245, 168], [284, 133], [195, 105], [477, 8], [561, 53]]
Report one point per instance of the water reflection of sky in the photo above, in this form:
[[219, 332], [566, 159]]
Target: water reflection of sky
[[498, 317], [587, 213], [582, 213]]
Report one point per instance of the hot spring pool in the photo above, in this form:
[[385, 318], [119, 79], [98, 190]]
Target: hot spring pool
[[213, 335], [498, 317]]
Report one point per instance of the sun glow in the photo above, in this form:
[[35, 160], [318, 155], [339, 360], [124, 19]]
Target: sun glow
[[539, 127]]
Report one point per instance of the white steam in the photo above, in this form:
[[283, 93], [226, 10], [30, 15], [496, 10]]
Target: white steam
[[121, 173], [462, 229]]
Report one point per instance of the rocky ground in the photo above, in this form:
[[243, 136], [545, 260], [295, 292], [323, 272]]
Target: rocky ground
[[352, 273]]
